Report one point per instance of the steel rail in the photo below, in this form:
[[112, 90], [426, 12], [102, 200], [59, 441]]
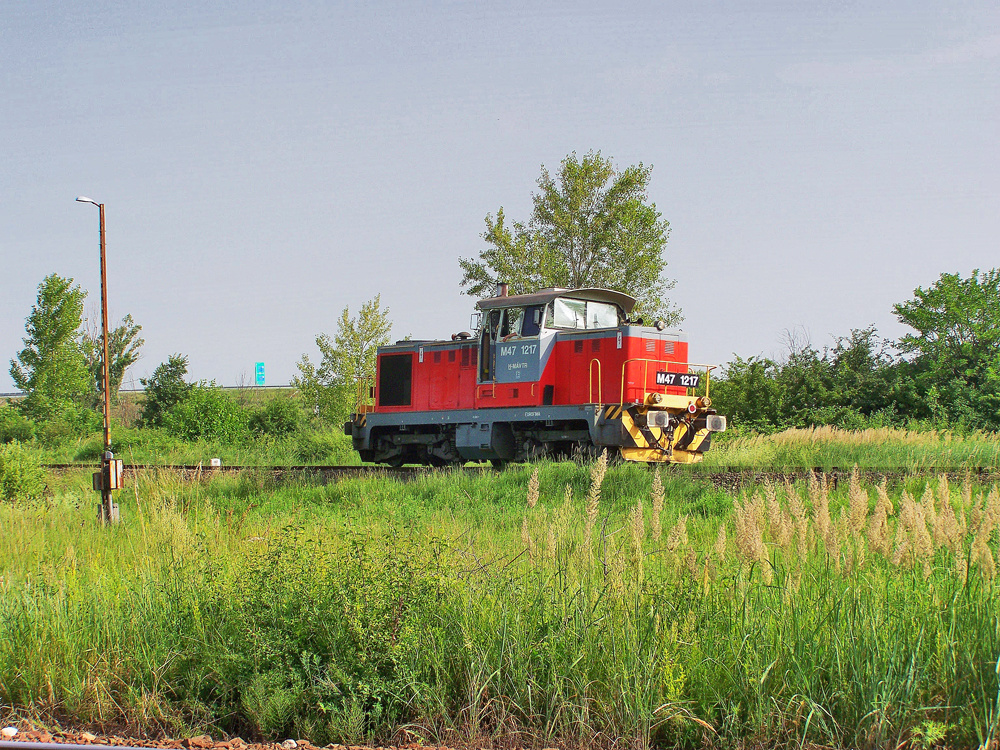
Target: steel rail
[[356, 470]]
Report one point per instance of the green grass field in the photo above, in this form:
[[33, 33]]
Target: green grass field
[[555, 604], [883, 448]]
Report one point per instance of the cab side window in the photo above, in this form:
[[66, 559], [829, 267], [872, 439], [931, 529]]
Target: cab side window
[[532, 323], [494, 324], [512, 317]]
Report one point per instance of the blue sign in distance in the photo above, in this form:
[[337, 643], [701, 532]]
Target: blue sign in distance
[[260, 373]]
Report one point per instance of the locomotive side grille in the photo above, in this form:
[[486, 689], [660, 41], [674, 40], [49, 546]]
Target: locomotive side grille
[[668, 347], [577, 347], [451, 356], [514, 392], [465, 356], [650, 345], [437, 357], [595, 345]]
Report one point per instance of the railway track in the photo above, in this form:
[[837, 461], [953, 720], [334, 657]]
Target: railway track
[[728, 478]]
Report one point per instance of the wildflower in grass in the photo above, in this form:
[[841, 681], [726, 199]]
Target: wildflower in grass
[[657, 494], [904, 526], [773, 511], [883, 497], [779, 522], [982, 556], [691, 563], [594, 496], [860, 552], [835, 539], [923, 545], [989, 519], [678, 538], [749, 541], [943, 492], [946, 528], [533, 489], [928, 507], [819, 494], [563, 515], [878, 524], [857, 502], [637, 527], [993, 506], [526, 540], [721, 546], [976, 513], [801, 522], [614, 571]]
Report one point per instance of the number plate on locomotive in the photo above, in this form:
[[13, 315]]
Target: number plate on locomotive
[[678, 379]]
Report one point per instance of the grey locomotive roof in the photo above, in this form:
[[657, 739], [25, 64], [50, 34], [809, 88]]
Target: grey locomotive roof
[[625, 301]]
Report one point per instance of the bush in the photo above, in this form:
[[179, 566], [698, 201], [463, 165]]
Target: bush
[[279, 418], [327, 446], [322, 641], [66, 425], [207, 412], [130, 444], [21, 475], [15, 426], [165, 389]]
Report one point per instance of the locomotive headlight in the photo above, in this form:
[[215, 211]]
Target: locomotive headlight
[[654, 398], [659, 419], [715, 423]]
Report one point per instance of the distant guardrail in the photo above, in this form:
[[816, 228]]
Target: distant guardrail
[[18, 394]]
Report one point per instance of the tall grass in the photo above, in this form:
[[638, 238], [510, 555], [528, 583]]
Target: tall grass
[[588, 605], [882, 448]]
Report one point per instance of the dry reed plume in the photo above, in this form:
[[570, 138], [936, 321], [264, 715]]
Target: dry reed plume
[[594, 497], [915, 537]]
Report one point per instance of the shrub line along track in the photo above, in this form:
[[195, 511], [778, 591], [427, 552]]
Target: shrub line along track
[[725, 478]]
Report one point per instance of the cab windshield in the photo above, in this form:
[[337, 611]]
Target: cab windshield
[[578, 314]]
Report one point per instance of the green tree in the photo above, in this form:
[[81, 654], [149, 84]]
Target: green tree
[[124, 344], [51, 368], [865, 372], [953, 357], [345, 360], [591, 226], [747, 392], [852, 385], [165, 388]]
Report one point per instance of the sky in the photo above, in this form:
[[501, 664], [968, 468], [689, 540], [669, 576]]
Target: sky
[[266, 163]]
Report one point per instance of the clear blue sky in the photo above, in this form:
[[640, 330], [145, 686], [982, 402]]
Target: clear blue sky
[[266, 163]]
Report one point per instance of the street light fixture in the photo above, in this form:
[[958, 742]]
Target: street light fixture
[[109, 477]]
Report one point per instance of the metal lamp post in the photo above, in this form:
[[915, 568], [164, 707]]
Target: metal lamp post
[[109, 478]]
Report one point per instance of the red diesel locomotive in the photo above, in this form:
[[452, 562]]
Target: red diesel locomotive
[[557, 373]]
